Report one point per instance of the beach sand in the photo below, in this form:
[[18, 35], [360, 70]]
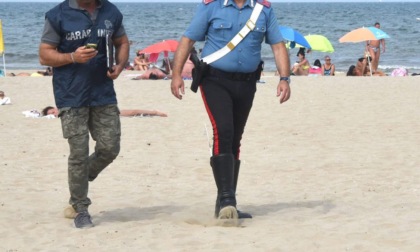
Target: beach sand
[[336, 168]]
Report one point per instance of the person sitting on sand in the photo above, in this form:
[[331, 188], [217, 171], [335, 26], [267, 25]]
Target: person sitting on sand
[[328, 69], [141, 62], [4, 100], [302, 66], [50, 110], [362, 68]]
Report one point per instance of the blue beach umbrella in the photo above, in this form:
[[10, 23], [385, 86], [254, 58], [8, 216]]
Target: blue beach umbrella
[[293, 36]]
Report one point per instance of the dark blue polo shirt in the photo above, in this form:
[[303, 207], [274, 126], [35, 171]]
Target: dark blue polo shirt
[[82, 85]]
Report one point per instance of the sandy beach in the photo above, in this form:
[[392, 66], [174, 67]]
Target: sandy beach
[[336, 168]]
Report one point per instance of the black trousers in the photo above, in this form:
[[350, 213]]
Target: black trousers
[[228, 103]]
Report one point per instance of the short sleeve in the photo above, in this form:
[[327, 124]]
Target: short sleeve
[[199, 24], [120, 32], [49, 34], [273, 32]]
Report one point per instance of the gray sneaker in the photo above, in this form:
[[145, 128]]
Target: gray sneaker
[[83, 220]]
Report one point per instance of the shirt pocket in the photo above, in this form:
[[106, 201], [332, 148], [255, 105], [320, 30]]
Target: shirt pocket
[[223, 29], [257, 35]]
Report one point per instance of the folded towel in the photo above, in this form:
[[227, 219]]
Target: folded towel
[[5, 101], [31, 113], [36, 114]]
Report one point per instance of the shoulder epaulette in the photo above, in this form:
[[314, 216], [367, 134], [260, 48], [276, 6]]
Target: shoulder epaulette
[[265, 3], [207, 1]]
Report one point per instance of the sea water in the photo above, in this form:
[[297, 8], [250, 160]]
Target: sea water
[[147, 23]]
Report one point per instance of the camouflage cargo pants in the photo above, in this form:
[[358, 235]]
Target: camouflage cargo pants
[[103, 123]]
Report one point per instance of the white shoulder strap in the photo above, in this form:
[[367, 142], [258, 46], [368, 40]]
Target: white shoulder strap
[[249, 26]]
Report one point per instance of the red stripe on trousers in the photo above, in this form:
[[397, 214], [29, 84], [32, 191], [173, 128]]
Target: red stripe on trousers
[[213, 123]]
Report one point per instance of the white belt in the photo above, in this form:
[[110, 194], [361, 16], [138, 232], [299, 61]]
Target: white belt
[[249, 26]]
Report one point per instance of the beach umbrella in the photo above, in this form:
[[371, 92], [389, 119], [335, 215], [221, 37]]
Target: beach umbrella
[[163, 46], [319, 43], [363, 34], [293, 36]]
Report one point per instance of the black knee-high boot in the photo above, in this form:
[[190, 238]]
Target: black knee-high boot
[[241, 215], [223, 171]]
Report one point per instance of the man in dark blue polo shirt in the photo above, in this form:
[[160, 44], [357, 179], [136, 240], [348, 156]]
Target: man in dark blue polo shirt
[[230, 83], [73, 43]]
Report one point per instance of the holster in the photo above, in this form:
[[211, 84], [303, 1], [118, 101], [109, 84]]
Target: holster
[[259, 70], [198, 72]]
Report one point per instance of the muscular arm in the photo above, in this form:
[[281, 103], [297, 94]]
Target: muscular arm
[[49, 56], [181, 55], [283, 67]]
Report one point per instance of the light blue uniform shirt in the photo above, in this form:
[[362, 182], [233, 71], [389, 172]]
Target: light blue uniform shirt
[[218, 24]]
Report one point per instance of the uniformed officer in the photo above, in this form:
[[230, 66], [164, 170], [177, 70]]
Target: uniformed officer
[[73, 42], [230, 83]]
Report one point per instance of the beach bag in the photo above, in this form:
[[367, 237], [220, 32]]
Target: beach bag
[[399, 72], [315, 70]]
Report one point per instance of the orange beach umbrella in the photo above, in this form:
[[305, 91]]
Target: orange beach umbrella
[[363, 34]]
